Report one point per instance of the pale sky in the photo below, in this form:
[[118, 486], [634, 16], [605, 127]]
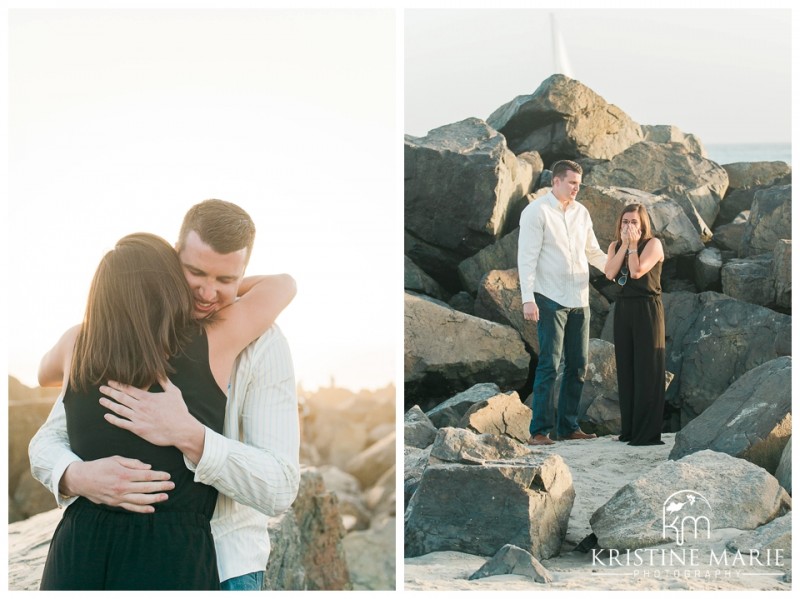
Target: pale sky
[[724, 75], [119, 121]]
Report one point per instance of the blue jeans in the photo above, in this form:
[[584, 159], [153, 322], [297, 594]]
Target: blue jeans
[[246, 582], [559, 330]]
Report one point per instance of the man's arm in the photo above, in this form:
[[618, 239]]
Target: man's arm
[[594, 254], [529, 246], [117, 481], [263, 469]]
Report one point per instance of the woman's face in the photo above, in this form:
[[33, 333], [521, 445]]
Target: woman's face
[[630, 222]]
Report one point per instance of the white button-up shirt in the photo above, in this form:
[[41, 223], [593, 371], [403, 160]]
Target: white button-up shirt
[[254, 465], [554, 252]]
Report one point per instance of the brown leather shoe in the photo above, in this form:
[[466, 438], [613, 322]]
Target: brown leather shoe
[[578, 434], [540, 440]]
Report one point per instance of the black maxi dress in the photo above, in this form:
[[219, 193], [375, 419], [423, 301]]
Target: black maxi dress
[[639, 346], [104, 547]]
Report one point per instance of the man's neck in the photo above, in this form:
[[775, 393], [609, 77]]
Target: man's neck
[[565, 202]]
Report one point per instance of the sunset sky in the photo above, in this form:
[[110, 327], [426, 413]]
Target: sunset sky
[[119, 121]]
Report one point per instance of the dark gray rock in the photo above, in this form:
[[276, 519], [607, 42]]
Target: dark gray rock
[[669, 221], [751, 420], [729, 236], [782, 273], [416, 279], [707, 266], [524, 501], [463, 302], [501, 255], [450, 411], [461, 183], [712, 340], [499, 300], [743, 175], [415, 461], [418, 428], [565, 119], [665, 169], [770, 220], [447, 352], [749, 279], [513, 560]]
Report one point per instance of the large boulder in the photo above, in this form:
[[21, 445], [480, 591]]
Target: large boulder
[[565, 119], [751, 420], [729, 236], [665, 169], [770, 220], [461, 184], [670, 223], [478, 507], [447, 351], [640, 514], [712, 340]]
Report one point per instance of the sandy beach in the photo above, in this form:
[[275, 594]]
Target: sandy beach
[[599, 468]]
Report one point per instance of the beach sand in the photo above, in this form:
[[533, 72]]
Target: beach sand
[[599, 467]]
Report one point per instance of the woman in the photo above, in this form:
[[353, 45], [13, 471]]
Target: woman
[[139, 329], [635, 258]]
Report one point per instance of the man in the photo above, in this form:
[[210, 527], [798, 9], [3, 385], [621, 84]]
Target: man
[[555, 241], [255, 465]]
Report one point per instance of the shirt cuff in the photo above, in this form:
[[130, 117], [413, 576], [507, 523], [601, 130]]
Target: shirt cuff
[[215, 454], [58, 472]]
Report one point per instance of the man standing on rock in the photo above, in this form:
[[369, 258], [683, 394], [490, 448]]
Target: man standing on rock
[[254, 466], [556, 245]]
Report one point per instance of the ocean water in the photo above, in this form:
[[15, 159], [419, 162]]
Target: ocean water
[[730, 153]]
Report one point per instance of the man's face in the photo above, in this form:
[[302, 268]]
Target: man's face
[[567, 187], [214, 278]]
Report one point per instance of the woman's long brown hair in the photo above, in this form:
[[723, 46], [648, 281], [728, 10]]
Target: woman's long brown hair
[[138, 315]]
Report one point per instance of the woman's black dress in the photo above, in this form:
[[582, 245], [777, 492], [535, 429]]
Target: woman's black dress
[[639, 346], [103, 547]]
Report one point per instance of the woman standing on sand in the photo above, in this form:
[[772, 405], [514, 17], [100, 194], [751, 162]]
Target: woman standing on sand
[[635, 258], [139, 329]]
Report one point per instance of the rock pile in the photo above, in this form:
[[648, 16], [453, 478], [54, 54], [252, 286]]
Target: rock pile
[[726, 231]]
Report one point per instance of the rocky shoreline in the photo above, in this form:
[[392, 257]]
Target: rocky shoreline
[[472, 486]]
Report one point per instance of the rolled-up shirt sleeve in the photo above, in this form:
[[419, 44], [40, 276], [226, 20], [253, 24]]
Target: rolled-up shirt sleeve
[[50, 453], [256, 462]]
